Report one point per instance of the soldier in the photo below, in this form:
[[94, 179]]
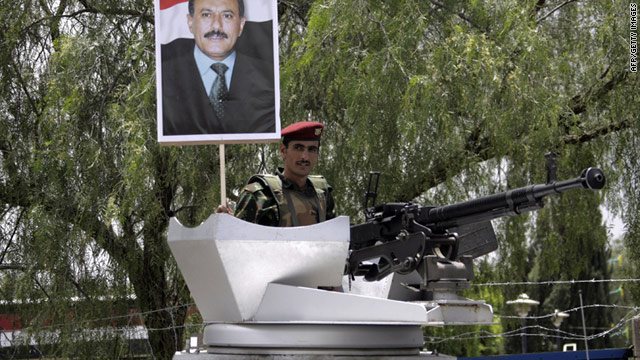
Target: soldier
[[291, 197]]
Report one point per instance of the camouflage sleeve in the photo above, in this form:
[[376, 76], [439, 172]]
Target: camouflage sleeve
[[256, 206], [331, 211], [246, 208]]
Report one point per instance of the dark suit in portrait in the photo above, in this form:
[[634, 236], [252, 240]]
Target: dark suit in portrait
[[250, 104]]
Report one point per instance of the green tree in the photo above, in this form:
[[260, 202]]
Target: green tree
[[439, 95], [619, 293], [444, 95], [85, 186]]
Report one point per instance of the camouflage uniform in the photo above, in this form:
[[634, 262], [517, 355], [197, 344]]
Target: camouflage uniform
[[291, 206]]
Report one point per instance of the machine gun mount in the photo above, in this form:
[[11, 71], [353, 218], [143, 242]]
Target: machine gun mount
[[440, 242]]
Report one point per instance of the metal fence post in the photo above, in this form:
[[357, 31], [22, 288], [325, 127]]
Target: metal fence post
[[635, 332]]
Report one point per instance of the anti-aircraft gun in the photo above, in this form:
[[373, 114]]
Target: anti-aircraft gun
[[262, 290], [440, 242]]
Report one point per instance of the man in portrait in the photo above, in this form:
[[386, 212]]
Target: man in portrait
[[208, 87]]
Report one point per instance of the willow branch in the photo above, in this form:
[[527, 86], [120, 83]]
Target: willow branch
[[554, 10], [596, 133], [483, 150], [459, 14]]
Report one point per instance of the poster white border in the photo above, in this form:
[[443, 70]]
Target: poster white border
[[255, 10]]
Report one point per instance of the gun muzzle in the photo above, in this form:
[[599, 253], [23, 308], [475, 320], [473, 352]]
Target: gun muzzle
[[593, 178], [590, 179]]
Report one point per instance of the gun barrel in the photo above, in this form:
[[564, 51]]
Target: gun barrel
[[509, 202]]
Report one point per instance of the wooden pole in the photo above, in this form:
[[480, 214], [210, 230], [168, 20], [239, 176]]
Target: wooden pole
[[223, 178]]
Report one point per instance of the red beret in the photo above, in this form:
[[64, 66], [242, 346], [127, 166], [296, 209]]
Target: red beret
[[310, 130]]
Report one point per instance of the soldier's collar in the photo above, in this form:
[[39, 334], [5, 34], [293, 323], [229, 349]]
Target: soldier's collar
[[288, 184]]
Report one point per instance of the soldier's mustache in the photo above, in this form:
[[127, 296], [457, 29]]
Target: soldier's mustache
[[216, 33]]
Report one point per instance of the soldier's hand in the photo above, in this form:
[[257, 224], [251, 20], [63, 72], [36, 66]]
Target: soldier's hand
[[224, 209]]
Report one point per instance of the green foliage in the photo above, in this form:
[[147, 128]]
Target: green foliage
[[448, 99], [428, 92]]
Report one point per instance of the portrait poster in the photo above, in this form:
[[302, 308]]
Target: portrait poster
[[217, 71]]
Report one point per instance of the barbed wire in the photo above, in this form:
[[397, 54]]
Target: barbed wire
[[114, 331], [542, 331], [522, 331], [613, 306], [129, 316], [554, 333], [556, 282], [141, 315], [176, 307]]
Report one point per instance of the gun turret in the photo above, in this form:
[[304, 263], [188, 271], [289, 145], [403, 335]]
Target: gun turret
[[440, 242]]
